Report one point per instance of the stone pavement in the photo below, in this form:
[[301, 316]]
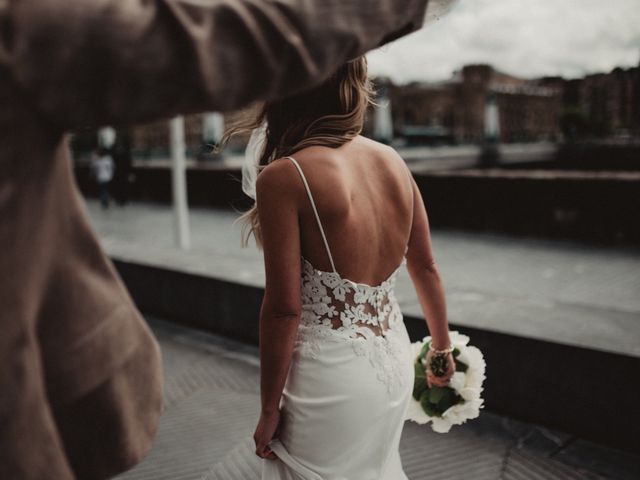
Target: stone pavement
[[561, 291], [212, 406]]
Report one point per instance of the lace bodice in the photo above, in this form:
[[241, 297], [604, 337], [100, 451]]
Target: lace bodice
[[356, 310], [368, 317], [338, 309]]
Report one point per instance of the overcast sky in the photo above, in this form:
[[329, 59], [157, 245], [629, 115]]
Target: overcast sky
[[527, 38]]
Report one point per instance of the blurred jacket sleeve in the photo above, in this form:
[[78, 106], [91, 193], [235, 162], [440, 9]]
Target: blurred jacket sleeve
[[92, 62]]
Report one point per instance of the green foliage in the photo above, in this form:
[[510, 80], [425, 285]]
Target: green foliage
[[423, 351], [435, 400], [420, 381], [447, 400], [436, 393], [461, 367], [427, 406]]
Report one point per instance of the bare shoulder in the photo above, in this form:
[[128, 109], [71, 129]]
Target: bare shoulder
[[277, 178], [382, 149], [314, 153], [384, 152], [317, 153], [372, 143]]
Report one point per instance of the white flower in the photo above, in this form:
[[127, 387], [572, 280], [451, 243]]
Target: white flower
[[458, 339], [457, 381], [331, 312], [462, 357], [307, 270], [358, 314], [454, 415], [320, 308], [475, 358], [469, 394], [476, 363], [331, 280], [316, 291], [416, 413], [466, 384], [339, 292], [346, 318], [440, 425], [415, 348], [361, 294], [474, 379]]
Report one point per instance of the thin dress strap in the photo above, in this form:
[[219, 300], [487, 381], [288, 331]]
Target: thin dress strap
[[315, 211], [410, 175]]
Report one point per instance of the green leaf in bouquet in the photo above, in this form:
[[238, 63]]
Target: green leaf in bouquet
[[420, 380], [418, 390], [436, 394], [456, 352], [425, 348], [427, 406], [461, 367], [447, 399]]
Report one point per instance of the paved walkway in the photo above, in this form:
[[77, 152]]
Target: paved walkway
[[212, 406], [553, 290]]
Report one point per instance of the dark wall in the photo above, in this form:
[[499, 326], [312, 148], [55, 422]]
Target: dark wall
[[590, 157], [596, 210], [206, 187]]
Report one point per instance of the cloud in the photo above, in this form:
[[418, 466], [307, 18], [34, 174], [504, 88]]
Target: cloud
[[525, 38]]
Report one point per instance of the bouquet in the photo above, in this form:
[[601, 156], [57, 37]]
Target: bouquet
[[455, 403]]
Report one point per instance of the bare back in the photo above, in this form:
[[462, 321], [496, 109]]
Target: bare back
[[363, 195]]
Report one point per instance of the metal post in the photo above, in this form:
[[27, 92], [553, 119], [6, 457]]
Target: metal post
[[212, 127], [212, 131], [490, 153], [382, 122], [179, 184]]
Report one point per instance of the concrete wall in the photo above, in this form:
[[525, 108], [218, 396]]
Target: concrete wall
[[601, 209]]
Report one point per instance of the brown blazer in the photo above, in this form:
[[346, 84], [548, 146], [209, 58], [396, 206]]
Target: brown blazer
[[80, 372]]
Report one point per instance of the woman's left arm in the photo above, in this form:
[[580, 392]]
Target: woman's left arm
[[277, 198]]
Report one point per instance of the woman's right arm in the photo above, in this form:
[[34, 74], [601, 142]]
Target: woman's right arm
[[426, 279]]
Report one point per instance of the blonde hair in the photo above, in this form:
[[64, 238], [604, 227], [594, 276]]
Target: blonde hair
[[330, 115]]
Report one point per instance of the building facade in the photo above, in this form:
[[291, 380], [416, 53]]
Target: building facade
[[454, 111], [529, 110], [609, 103]]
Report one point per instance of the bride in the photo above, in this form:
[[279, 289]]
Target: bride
[[337, 215]]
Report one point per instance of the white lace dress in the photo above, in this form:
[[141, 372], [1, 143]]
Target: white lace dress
[[349, 383]]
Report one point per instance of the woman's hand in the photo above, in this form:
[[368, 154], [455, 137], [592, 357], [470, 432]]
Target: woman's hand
[[443, 380], [265, 431]]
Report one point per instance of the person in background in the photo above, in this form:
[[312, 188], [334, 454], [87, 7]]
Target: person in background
[[103, 169], [80, 371], [122, 160]]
